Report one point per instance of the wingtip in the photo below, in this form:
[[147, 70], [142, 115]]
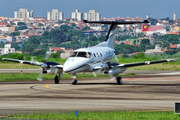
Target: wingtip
[[171, 60], [146, 21], [85, 21]]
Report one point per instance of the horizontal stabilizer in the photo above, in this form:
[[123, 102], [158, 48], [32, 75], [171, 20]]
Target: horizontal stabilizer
[[116, 22]]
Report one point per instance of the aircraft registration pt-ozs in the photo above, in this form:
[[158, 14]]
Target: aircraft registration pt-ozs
[[92, 59]]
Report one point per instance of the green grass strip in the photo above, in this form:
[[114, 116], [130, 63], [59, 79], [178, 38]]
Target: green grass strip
[[33, 76], [148, 115]]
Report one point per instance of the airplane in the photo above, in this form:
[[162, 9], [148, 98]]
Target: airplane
[[92, 59]]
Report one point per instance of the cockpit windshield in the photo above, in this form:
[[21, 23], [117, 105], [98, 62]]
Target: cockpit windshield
[[81, 54]]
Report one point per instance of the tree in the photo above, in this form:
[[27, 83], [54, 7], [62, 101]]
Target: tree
[[57, 36], [65, 28], [73, 25], [15, 45], [28, 49], [142, 35], [152, 21], [20, 28], [40, 53], [124, 37], [155, 36], [15, 34], [85, 28], [21, 24], [34, 40]]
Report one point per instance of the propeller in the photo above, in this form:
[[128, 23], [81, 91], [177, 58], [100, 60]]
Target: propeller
[[44, 65], [95, 73]]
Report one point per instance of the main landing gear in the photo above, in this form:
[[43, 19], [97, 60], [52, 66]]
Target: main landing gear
[[119, 80], [74, 82], [57, 79]]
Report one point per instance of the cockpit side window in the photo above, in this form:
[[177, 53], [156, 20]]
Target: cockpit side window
[[73, 54], [90, 55]]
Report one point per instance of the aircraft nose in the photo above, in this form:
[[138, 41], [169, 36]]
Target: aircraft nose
[[66, 68]]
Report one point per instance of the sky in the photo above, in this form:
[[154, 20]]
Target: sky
[[107, 8]]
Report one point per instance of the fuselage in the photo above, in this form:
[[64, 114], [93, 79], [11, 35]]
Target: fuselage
[[85, 59]]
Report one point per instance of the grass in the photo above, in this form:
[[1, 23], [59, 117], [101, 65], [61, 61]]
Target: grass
[[162, 66], [33, 76], [115, 115]]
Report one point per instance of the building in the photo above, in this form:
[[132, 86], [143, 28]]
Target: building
[[55, 15], [23, 13], [77, 15], [174, 16], [156, 50], [7, 49], [92, 16], [55, 49]]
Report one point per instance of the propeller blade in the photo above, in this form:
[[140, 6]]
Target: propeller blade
[[35, 62], [95, 73], [112, 77], [116, 59], [48, 54], [39, 78]]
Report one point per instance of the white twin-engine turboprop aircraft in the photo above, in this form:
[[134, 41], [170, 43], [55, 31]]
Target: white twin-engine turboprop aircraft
[[92, 59]]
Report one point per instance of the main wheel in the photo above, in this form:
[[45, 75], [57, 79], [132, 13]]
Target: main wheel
[[119, 80], [75, 82], [56, 80]]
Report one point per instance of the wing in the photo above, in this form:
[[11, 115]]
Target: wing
[[23, 61], [145, 63]]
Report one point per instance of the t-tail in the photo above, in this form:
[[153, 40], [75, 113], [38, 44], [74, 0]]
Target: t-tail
[[110, 39]]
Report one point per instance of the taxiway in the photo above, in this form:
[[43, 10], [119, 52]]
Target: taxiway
[[142, 92]]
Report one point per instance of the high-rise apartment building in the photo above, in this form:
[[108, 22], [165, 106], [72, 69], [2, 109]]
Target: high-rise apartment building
[[55, 15], [77, 15], [92, 16], [174, 16], [23, 13]]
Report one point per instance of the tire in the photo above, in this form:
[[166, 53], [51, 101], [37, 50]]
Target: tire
[[119, 80], [56, 80], [75, 82]]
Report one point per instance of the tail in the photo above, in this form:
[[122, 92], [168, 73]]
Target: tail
[[110, 39]]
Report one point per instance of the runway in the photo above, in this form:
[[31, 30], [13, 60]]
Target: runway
[[142, 92]]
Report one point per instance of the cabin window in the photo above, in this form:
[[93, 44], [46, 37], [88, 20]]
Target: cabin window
[[74, 54], [94, 55]]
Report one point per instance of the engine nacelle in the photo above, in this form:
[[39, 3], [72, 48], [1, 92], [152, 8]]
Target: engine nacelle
[[52, 71], [115, 71]]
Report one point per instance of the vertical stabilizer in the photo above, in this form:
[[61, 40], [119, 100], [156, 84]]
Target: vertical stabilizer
[[110, 40]]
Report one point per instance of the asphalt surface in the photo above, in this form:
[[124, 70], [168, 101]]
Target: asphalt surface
[[150, 91]]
